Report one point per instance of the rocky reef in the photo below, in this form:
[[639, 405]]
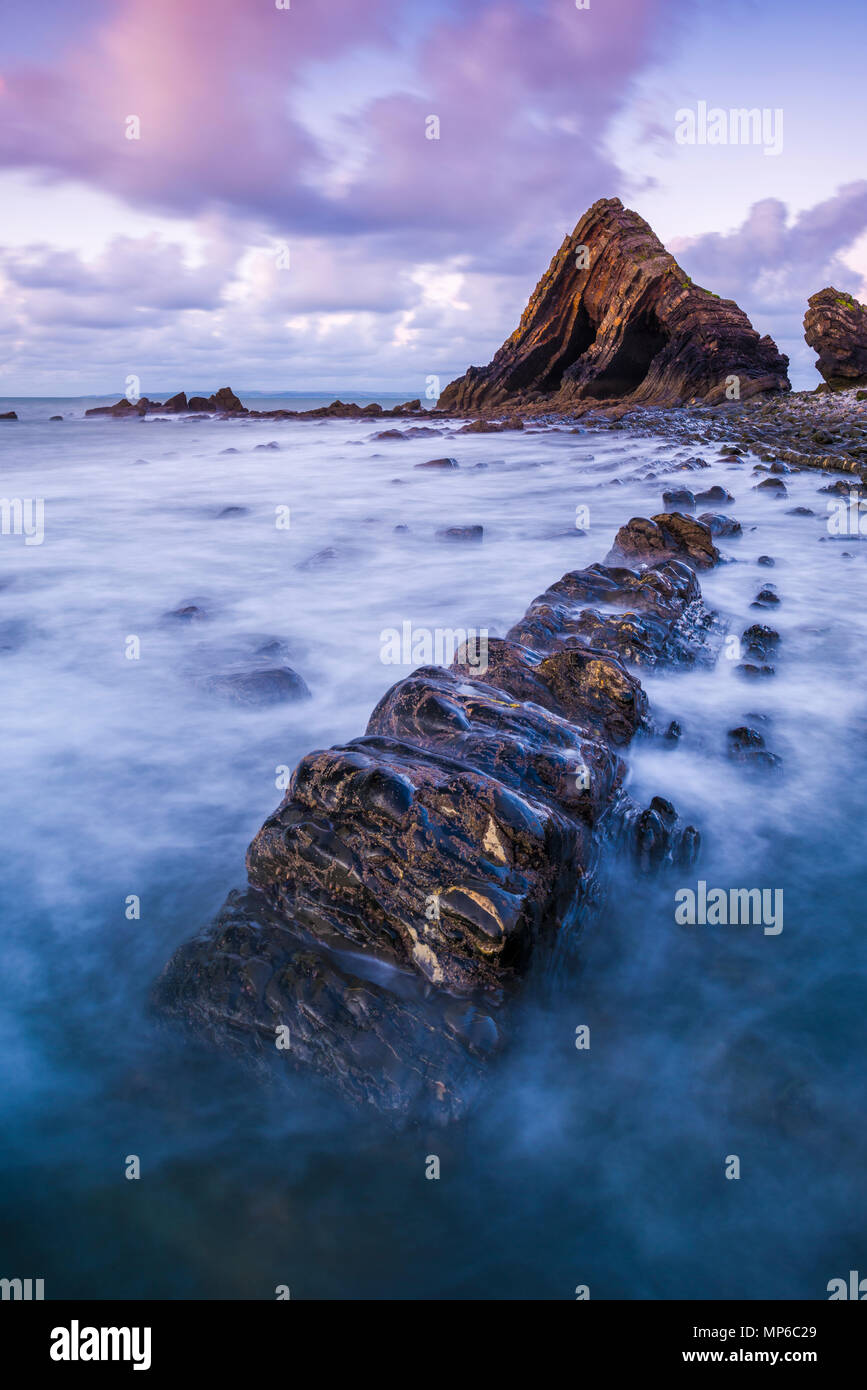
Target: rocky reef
[[412, 878], [615, 318], [224, 402], [835, 326]]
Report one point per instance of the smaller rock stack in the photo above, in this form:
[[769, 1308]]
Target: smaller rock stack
[[835, 326]]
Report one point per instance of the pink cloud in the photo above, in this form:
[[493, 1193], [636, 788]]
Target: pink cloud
[[524, 92]]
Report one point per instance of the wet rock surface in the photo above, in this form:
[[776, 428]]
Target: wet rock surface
[[669, 535], [412, 878]]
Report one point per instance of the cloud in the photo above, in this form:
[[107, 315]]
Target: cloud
[[523, 91], [305, 129], [774, 261], [334, 315]]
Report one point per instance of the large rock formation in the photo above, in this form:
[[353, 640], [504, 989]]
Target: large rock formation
[[412, 877], [615, 318], [835, 326]]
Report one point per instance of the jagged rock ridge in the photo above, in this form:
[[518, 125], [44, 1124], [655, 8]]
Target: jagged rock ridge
[[621, 322], [411, 877]]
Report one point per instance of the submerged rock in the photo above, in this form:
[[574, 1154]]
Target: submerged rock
[[760, 640], [676, 497], [720, 525], [767, 597], [614, 317], [772, 487], [461, 533], [275, 685], [714, 494], [186, 613], [327, 556], [746, 745]]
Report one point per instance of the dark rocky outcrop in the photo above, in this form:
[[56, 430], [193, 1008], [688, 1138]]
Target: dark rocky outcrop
[[412, 877], [614, 318], [9, 415], [835, 326], [222, 402]]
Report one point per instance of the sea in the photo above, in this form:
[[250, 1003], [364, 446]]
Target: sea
[[711, 1140]]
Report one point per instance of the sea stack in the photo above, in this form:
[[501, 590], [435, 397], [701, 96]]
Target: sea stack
[[835, 326], [615, 319]]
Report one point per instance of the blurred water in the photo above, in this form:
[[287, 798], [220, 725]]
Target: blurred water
[[129, 777]]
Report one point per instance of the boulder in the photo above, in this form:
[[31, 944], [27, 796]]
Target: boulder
[[670, 535], [714, 494], [675, 498]]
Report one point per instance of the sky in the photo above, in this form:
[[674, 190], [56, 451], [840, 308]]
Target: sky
[[246, 192]]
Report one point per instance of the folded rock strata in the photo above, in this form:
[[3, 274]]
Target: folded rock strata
[[835, 326], [615, 318], [412, 877]]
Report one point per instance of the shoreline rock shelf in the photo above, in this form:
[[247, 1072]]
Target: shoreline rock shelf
[[412, 877]]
